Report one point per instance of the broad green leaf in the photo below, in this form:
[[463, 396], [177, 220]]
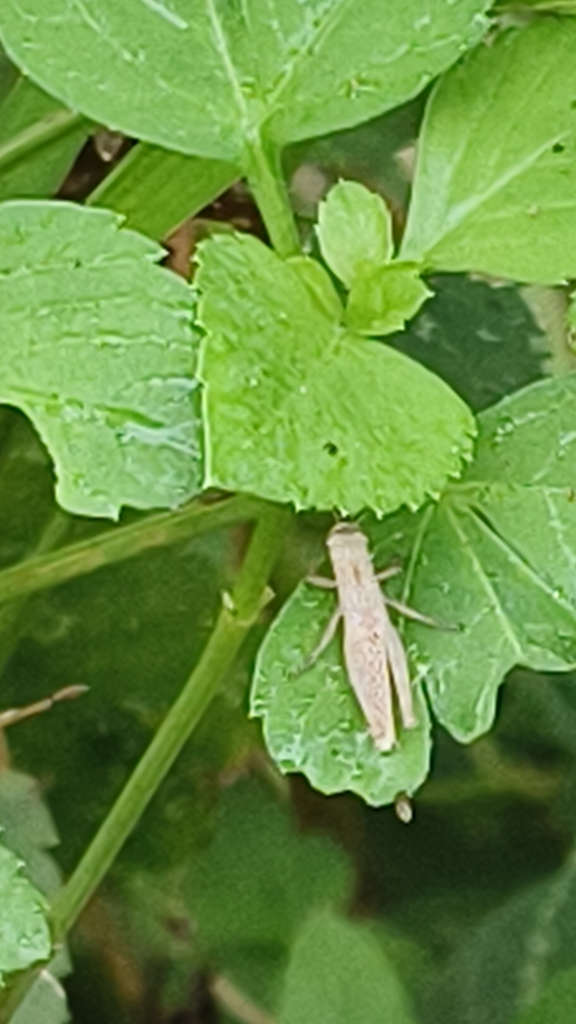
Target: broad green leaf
[[338, 973], [500, 606], [493, 564], [481, 340], [381, 301], [495, 184], [39, 141], [556, 1002], [99, 352], [311, 719], [495, 558], [155, 190], [505, 965], [528, 438], [24, 933], [354, 231], [255, 885], [299, 409], [203, 76]]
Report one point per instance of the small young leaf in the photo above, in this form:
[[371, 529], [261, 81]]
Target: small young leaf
[[24, 933], [312, 720], [381, 301], [298, 409], [496, 177], [354, 231], [98, 350], [338, 973], [205, 77]]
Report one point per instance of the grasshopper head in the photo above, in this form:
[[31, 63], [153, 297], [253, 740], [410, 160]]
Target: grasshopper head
[[346, 538]]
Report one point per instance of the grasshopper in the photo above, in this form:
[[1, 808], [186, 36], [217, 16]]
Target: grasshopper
[[374, 655]]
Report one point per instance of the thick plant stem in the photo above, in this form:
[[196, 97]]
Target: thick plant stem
[[49, 570], [234, 622], [267, 186]]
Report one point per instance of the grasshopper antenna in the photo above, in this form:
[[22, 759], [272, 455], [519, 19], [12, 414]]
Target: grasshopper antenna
[[18, 714]]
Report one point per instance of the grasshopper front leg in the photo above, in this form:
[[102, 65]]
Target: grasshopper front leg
[[326, 638]]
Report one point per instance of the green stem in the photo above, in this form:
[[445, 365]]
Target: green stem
[[267, 185], [234, 622], [53, 126], [49, 570]]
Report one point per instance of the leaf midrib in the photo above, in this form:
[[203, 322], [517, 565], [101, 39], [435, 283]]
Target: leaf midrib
[[487, 587], [223, 52]]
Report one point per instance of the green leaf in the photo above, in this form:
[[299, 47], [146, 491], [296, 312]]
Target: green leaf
[[39, 140], [355, 236], [556, 1002], [270, 876], [24, 933], [354, 231], [298, 409], [528, 438], [381, 301], [99, 352], [155, 190], [202, 76], [338, 973], [312, 720], [495, 558], [493, 564], [495, 184]]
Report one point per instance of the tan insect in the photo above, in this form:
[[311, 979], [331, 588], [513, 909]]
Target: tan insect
[[374, 655], [18, 714]]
